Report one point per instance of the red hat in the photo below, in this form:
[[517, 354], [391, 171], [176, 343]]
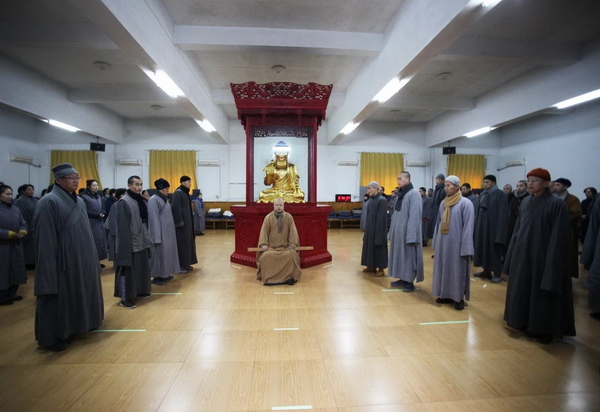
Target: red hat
[[541, 173]]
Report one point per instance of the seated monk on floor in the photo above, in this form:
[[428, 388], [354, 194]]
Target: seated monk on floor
[[278, 262]]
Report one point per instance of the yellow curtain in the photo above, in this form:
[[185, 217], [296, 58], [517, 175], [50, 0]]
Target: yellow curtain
[[84, 161], [469, 168], [382, 168], [171, 165]]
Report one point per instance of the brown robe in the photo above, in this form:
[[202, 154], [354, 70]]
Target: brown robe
[[278, 266]]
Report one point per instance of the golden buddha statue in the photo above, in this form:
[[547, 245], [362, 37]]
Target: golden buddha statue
[[283, 177]]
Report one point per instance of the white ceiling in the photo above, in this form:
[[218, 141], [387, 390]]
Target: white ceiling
[[455, 50]]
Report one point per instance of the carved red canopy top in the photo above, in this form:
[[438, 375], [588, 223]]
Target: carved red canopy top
[[281, 98]]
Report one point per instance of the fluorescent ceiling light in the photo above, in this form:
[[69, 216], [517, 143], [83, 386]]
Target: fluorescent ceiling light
[[488, 3], [62, 125], [163, 81], [206, 125], [579, 99], [390, 89], [479, 131], [349, 128]]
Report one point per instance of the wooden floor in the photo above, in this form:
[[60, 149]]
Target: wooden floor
[[216, 340]]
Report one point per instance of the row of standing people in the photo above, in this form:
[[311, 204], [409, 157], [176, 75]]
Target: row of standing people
[[539, 294], [152, 238]]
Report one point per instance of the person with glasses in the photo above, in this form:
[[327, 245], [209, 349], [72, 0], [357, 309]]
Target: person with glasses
[[67, 279]]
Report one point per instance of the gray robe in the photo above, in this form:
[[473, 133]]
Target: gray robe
[[539, 295], [132, 251], [12, 268], [590, 256], [27, 207], [164, 261], [181, 208], [199, 218], [94, 208], [491, 230], [67, 272], [375, 250], [406, 247], [453, 252]]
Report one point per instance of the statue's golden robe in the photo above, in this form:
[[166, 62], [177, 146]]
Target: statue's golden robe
[[285, 184]]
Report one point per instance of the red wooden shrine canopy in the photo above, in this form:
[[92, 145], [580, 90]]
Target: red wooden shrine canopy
[[287, 110]]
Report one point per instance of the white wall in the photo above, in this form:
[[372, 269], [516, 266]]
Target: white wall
[[567, 145]]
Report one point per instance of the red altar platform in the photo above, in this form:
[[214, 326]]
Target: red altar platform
[[288, 110]]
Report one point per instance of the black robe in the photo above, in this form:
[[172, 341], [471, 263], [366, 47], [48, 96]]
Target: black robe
[[375, 250], [67, 272], [27, 207], [490, 237], [93, 202], [539, 295], [590, 255], [438, 196], [181, 207]]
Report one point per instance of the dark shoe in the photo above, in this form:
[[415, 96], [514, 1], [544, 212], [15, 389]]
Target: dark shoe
[[496, 279], [17, 298], [424, 244], [595, 315], [444, 300], [127, 304], [102, 266], [483, 274], [159, 281], [188, 268], [409, 287], [545, 339], [200, 234], [290, 282], [7, 302], [459, 305], [398, 283], [59, 346], [369, 270], [169, 278], [144, 295], [379, 273]]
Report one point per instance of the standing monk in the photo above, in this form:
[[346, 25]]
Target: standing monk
[[453, 245], [278, 263], [95, 211], [438, 195], [132, 277], [539, 295], [374, 250], [164, 262], [491, 230], [590, 258], [561, 185], [27, 204], [181, 208], [67, 272], [406, 238]]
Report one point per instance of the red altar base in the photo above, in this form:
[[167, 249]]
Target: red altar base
[[311, 222]]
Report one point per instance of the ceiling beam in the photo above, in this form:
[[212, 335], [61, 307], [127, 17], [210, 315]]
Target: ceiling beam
[[107, 94], [331, 42], [538, 52], [143, 31], [419, 32], [437, 102]]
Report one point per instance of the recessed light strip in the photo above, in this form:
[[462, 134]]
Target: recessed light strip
[[390, 89], [478, 132], [578, 100], [163, 81], [62, 125]]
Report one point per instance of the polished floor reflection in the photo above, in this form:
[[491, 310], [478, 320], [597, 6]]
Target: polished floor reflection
[[216, 340]]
